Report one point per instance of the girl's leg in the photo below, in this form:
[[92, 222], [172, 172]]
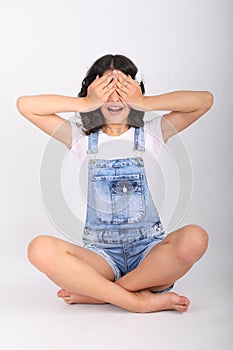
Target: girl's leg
[[74, 268], [168, 261]]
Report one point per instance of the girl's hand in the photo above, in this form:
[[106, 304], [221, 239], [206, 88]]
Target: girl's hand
[[99, 91], [129, 90]]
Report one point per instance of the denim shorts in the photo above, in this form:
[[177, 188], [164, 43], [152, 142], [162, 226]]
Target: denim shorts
[[124, 250]]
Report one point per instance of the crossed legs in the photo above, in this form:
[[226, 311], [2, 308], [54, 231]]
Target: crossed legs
[[85, 277]]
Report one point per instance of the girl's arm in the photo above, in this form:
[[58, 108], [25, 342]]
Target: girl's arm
[[185, 106], [40, 110]]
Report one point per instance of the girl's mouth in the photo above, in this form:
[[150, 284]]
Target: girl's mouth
[[115, 110]]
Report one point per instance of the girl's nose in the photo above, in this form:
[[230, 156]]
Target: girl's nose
[[114, 97]]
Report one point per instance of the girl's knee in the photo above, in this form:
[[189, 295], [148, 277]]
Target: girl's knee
[[39, 250], [194, 243], [199, 238]]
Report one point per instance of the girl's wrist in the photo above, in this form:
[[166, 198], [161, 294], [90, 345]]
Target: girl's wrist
[[141, 104], [83, 104], [149, 103], [87, 106]]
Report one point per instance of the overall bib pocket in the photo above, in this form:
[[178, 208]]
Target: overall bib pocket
[[118, 199]]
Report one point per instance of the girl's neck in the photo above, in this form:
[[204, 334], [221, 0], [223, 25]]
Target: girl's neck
[[115, 129]]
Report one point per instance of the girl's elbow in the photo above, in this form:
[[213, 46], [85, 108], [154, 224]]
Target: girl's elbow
[[21, 104], [208, 99]]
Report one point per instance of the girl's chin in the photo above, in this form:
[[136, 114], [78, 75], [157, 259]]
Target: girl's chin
[[120, 119], [116, 121]]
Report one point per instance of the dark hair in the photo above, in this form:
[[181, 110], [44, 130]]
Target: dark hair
[[93, 120]]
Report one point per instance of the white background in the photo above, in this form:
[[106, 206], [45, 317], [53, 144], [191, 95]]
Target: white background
[[47, 47]]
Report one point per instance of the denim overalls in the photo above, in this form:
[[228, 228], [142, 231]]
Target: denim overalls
[[122, 222]]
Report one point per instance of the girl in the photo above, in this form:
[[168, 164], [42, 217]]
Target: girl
[[127, 258]]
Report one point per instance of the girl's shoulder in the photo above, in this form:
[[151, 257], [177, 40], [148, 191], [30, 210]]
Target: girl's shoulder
[[153, 122], [153, 128]]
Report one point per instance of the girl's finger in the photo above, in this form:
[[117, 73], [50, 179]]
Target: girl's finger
[[106, 81], [109, 92], [120, 78], [121, 85], [123, 75], [109, 87], [126, 78], [98, 81], [121, 93]]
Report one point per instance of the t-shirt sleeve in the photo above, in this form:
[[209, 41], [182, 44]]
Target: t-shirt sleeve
[[154, 141], [75, 133], [78, 138], [153, 127]]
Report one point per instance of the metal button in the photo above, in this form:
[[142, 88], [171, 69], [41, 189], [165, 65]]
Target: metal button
[[124, 189]]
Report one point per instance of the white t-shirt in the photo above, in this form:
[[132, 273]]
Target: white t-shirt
[[112, 147]]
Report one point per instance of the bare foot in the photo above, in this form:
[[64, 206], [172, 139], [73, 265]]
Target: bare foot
[[72, 298], [158, 302], [149, 302]]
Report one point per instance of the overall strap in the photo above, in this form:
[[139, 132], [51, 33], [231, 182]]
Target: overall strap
[[93, 143], [139, 139]]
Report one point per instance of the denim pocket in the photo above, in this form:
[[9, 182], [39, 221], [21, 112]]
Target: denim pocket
[[159, 230], [119, 199]]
